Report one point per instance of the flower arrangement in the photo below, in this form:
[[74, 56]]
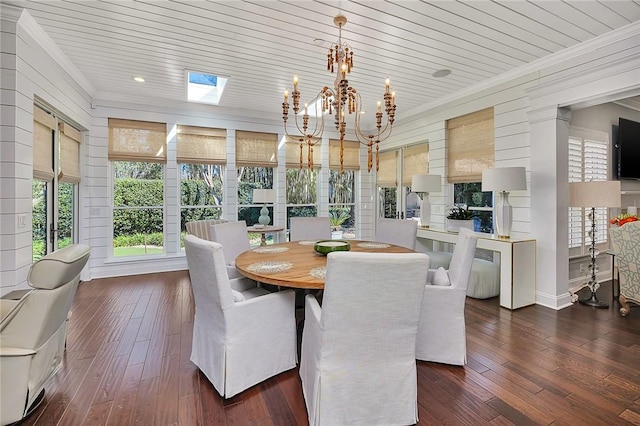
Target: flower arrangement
[[459, 213], [621, 219]]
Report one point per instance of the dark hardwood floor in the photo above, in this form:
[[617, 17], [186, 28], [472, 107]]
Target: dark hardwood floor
[[129, 342]]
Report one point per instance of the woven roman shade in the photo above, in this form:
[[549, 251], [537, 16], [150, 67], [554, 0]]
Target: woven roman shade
[[131, 140], [415, 161], [351, 155], [470, 146], [43, 126], [255, 149], [387, 176], [201, 145], [70, 139], [293, 154]]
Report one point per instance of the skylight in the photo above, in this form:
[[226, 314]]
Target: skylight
[[205, 88]]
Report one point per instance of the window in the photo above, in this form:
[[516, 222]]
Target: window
[[137, 152], [250, 178], [481, 203], [301, 193], [342, 187], [588, 160], [201, 156], [205, 88]]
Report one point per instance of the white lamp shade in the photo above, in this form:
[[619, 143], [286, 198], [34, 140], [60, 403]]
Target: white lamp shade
[[426, 183], [264, 195], [504, 179], [597, 193]]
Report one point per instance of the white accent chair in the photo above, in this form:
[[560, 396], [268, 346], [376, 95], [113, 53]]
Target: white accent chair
[[201, 228], [441, 333], [309, 228], [400, 232], [33, 331], [240, 338], [234, 239], [358, 351], [625, 242]]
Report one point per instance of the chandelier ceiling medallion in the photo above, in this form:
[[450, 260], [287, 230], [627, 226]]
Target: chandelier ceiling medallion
[[341, 100]]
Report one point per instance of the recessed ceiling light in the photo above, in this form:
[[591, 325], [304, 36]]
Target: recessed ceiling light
[[318, 42], [441, 73], [139, 79]]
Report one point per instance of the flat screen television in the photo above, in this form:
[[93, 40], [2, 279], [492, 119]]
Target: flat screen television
[[629, 153]]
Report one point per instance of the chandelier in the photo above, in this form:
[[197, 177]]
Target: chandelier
[[340, 101]]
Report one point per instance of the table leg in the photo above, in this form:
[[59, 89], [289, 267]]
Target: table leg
[[263, 238]]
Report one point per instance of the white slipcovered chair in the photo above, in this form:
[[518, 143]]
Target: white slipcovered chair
[[358, 351], [234, 239], [309, 228], [441, 333], [625, 242], [240, 338], [400, 232], [33, 331], [201, 228]]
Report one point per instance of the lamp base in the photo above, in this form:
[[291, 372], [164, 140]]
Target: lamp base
[[264, 218], [593, 301]]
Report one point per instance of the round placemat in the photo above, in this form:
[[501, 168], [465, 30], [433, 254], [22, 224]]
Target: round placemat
[[374, 245], [269, 267], [320, 272], [268, 249]]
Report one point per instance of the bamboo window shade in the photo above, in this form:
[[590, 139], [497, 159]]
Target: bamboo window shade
[[43, 126], [387, 176], [131, 140], [201, 145], [351, 155], [415, 161], [70, 139], [293, 154], [255, 149], [470, 146]]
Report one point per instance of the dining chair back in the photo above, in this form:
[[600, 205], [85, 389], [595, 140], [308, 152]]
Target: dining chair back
[[201, 228], [400, 232], [309, 228], [230, 326], [358, 350], [234, 239], [441, 332]]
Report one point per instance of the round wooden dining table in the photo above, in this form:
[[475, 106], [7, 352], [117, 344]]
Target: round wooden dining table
[[296, 264]]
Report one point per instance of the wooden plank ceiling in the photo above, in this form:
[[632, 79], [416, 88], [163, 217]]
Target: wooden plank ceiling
[[261, 44]]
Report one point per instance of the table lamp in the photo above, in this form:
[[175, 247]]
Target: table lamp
[[424, 184], [264, 196], [502, 180], [593, 194]]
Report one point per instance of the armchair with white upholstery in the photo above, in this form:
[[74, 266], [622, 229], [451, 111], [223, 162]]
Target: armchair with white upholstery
[[625, 242], [234, 239], [240, 338], [309, 228], [400, 232], [33, 331], [358, 351], [441, 333]]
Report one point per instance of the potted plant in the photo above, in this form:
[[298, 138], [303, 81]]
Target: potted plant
[[336, 219], [459, 217]]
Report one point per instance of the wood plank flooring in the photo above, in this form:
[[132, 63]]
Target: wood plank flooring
[[129, 342]]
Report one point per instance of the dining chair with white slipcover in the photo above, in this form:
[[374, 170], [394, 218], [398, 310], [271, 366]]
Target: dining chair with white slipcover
[[234, 239], [33, 331], [441, 332], [201, 228], [309, 228], [240, 338], [358, 350], [400, 232]]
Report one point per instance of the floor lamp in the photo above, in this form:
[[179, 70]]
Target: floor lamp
[[264, 196], [502, 180], [424, 184], [591, 195]]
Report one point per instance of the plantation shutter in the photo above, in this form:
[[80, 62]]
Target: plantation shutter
[[254, 149], [470, 146], [351, 155], [131, 140], [70, 139], [201, 145], [415, 161], [43, 126], [387, 174], [292, 154]]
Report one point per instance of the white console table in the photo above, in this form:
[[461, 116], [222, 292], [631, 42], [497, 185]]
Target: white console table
[[517, 263]]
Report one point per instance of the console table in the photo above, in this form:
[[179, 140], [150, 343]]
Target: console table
[[517, 263]]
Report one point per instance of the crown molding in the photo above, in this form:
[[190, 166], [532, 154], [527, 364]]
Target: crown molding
[[10, 13], [628, 31], [42, 38]]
